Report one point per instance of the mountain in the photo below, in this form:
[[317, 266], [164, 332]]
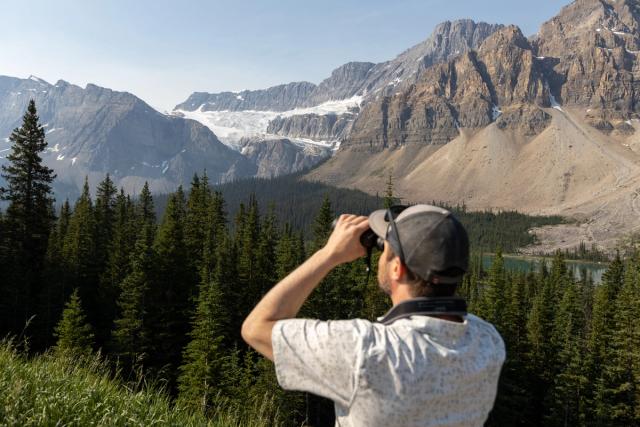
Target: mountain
[[94, 131], [324, 114], [546, 125]]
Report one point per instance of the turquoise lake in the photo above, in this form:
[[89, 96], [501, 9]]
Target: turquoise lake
[[522, 263]]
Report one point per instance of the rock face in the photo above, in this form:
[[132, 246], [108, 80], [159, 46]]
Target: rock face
[[345, 82], [94, 131], [447, 41], [328, 127], [467, 92], [277, 98], [281, 156], [591, 52], [354, 79]]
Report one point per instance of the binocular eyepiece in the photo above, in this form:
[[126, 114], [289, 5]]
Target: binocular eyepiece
[[368, 238]]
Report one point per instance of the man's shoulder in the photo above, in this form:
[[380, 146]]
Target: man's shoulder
[[483, 330]]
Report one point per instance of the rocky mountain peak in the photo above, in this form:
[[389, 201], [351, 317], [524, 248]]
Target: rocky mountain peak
[[505, 38]]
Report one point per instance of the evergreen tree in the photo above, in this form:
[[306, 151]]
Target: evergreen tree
[[79, 252], [494, 298], [204, 357], [171, 292], [28, 221], [130, 338], [541, 353], [73, 332], [53, 295], [145, 207], [618, 395], [197, 219], [567, 401]]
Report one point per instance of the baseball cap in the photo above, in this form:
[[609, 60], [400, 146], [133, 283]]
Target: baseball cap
[[434, 243]]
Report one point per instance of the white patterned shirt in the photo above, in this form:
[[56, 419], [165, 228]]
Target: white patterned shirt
[[417, 371]]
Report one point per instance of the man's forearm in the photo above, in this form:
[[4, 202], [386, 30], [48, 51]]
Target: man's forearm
[[284, 301]]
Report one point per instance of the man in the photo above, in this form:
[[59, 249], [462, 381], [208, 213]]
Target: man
[[436, 368]]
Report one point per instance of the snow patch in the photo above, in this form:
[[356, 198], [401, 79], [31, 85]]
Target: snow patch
[[238, 97], [53, 130], [540, 57], [628, 122], [231, 126], [73, 161], [165, 166], [56, 148], [61, 157]]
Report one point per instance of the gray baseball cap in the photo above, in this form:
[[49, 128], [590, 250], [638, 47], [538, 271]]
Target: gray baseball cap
[[434, 243]]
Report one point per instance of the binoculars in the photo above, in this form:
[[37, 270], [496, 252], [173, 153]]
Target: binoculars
[[368, 238]]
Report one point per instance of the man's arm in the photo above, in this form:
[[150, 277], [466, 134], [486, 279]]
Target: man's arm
[[285, 299]]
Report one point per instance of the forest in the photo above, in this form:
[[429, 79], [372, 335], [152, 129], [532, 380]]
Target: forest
[[156, 298]]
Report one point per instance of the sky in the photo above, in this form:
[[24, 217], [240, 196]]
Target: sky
[[163, 50]]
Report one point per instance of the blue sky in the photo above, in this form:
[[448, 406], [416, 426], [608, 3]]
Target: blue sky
[[163, 50]]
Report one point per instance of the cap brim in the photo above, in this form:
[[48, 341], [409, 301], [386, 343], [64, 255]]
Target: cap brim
[[377, 222]]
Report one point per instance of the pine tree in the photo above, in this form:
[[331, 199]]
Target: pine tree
[[494, 298], [79, 252], [600, 334], [204, 357], [130, 338], [105, 217], [145, 207], [28, 221], [247, 241], [73, 332], [618, 394], [266, 254], [172, 291], [567, 400], [53, 295], [197, 219], [541, 353]]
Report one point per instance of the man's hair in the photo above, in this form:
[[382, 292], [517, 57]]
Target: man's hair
[[423, 288]]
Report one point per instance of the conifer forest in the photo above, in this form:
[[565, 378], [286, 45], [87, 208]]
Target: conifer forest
[[155, 289]]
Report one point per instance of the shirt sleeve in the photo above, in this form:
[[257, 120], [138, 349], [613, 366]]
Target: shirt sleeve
[[319, 357]]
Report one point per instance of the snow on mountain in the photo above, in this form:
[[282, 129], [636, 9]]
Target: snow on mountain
[[231, 126]]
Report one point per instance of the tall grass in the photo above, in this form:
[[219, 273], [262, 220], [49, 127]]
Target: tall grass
[[63, 390]]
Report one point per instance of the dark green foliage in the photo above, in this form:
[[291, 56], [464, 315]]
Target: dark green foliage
[[202, 372], [27, 222], [73, 332], [130, 340], [174, 298], [171, 291]]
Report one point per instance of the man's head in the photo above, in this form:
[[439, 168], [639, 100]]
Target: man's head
[[426, 250]]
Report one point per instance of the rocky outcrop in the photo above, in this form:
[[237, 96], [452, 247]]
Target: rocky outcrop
[[345, 82], [94, 131], [448, 40], [280, 156], [278, 98], [329, 127], [591, 53], [467, 92]]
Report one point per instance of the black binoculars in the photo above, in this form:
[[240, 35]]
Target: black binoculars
[[368, 238]]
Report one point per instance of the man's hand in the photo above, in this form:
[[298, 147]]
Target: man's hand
[[284, 300], [344, 243]]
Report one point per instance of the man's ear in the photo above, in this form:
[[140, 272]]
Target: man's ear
[[397, 269]]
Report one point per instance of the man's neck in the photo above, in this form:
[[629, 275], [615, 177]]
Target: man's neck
[[400, 295]]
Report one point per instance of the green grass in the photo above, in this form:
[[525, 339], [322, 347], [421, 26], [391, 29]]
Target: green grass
[[56, 390]]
